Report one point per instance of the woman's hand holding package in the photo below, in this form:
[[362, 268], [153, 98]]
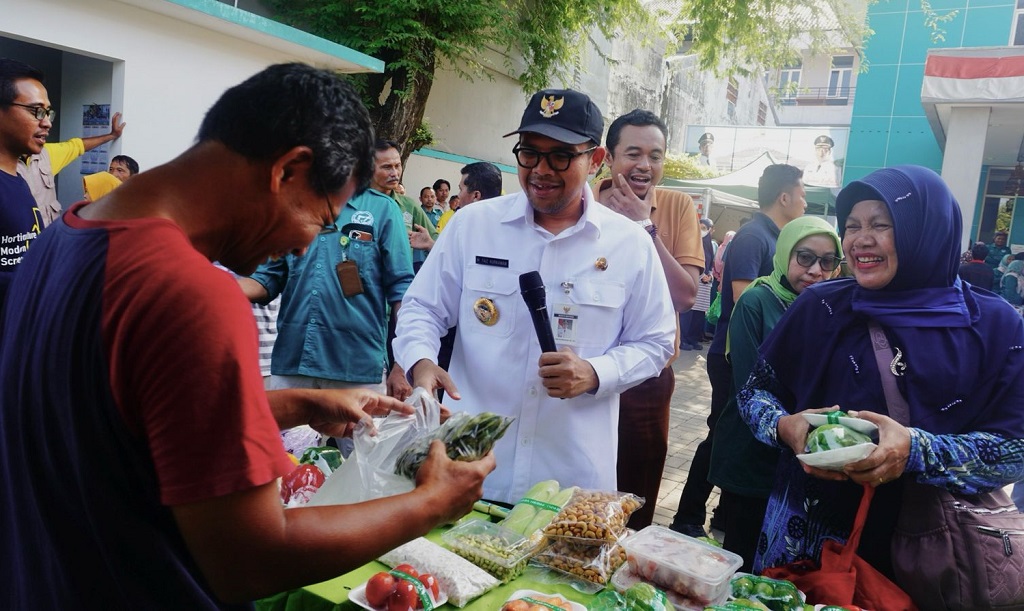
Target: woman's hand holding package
[[889, 459]]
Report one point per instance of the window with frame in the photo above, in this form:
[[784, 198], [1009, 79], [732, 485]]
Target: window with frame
[[1017, 31], [840, 77], [789, 80], [762, 113], [732, 94]]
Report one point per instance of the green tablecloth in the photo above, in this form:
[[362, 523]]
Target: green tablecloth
[[332, 595]]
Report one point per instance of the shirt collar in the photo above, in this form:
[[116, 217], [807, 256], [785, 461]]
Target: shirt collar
[[520, 211]]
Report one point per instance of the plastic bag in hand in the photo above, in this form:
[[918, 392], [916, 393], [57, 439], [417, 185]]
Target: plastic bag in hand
[[369, 472]]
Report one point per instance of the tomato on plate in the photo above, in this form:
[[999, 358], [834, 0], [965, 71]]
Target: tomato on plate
[[408, 570], [404, 597], [430, 583], [379, 588]]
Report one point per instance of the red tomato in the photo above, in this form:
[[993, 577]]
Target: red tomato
[[404, 597], [408, 570], [430, 583], [379, 588]]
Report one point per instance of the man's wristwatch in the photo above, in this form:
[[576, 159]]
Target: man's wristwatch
[[649, 226]]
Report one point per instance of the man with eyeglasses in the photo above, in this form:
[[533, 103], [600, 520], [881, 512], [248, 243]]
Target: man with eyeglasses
[[25, 121], [611, 313], [781, 198], [40, 170], [135, 431], [636, 156]]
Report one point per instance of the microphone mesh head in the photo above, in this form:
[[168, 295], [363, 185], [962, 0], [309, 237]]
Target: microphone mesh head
[[532, 288]]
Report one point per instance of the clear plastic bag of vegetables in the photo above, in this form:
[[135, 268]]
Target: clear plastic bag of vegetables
[[466, 436], [369, 472]]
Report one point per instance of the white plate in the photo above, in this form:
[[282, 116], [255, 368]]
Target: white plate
[[575, 606], [358, 596], [861, 426], [835, 460]]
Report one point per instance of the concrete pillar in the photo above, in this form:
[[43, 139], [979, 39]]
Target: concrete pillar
[[961, 159]]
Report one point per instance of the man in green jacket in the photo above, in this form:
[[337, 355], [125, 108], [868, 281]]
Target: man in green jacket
[[387, 175]]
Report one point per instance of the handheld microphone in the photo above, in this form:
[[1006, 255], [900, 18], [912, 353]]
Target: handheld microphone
[[532, 288]]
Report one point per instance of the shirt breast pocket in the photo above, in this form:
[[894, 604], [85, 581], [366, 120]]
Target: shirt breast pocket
[[599, 304], [490, 301], [366, 254], [47, 178]]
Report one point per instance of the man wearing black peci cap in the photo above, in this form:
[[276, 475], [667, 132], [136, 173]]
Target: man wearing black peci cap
[[611, 314]]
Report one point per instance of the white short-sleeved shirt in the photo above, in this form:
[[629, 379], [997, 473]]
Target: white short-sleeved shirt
[[608, 300]]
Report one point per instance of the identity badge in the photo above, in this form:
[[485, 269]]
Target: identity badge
[[564, 322]]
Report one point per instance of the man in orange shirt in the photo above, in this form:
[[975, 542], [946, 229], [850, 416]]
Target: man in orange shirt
[[636, 155]]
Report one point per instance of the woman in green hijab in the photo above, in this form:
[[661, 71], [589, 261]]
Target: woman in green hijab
[[808, 251]]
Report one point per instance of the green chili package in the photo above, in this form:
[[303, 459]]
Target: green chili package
[[467, 437]]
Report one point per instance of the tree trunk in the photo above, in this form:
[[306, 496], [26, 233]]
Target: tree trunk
[[400, 114]]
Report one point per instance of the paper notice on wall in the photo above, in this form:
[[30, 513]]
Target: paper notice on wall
[[96, 122]]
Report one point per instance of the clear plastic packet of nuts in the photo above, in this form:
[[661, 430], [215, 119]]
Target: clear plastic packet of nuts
[[594, 517], [583, 565]]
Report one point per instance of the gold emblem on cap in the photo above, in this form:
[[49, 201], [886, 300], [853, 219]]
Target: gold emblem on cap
[[486, 312], [601, 263], [549, 106]]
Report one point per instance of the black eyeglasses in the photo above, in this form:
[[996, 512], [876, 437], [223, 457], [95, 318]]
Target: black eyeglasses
[[806, 258], [39, 112], [330, 225], [558, 161]]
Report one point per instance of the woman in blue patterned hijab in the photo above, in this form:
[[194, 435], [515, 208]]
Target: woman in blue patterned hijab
[[962, 351]]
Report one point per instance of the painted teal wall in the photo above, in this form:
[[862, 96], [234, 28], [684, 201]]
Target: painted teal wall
[[888, 126]]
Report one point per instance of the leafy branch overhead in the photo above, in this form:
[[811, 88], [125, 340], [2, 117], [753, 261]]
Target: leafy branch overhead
[[542, 42]]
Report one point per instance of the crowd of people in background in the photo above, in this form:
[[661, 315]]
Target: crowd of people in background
[[997, 268], [177, 420]]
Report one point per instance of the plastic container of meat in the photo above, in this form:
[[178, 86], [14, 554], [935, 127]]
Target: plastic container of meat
[[673, 561]]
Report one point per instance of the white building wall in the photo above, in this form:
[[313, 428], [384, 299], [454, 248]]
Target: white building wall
[[164, 73]]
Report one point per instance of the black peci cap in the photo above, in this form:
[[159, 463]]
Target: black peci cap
[[563, 114]]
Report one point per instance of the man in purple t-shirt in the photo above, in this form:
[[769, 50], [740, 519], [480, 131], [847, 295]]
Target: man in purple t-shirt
[[25, 120]]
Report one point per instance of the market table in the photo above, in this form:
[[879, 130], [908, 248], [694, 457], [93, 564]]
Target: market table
[[332, 595]]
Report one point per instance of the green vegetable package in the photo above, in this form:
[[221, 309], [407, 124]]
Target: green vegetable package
[[833, 436], [467, 437]]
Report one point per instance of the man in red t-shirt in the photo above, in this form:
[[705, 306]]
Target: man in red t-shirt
[[139, 453]]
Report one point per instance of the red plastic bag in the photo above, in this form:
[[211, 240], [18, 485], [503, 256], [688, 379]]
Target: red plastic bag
[[843, 577]]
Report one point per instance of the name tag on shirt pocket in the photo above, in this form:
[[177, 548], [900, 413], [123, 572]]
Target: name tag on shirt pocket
[[600, 310], [496, 289]]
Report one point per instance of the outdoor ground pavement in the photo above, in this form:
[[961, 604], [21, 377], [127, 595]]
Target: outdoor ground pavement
[[691, 403]]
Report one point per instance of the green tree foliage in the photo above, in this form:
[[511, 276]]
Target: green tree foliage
[[686, 167], [413, 37], [745, 36]]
